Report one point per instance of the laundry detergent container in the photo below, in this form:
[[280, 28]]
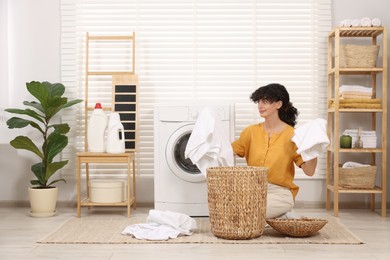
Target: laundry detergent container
[[237, 199], [107, 191]]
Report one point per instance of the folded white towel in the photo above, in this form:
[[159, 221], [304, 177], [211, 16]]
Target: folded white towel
[[356, 88], [162, 225], [376, 22], [311, 139], [346, 23], [354, 164], [365, 22], [209, 145], [355, 22]]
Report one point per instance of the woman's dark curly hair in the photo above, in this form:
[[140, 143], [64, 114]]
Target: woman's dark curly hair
[[273, 93]]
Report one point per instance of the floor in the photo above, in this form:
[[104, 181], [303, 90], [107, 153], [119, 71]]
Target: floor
[[19, 233]]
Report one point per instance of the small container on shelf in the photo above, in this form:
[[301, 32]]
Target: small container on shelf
[[359, 142], [345, 141]]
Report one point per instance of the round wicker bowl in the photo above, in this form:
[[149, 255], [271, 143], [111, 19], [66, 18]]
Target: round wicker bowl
[[301, 227]]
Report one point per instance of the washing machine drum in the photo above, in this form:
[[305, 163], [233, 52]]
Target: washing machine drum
[[175, 155]]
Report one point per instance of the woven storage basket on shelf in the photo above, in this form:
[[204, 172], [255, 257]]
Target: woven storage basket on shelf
[[300, 227], [237, 199], [358, 56], [357, 177]]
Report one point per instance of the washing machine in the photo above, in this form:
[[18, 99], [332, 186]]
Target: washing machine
[[179, 186]]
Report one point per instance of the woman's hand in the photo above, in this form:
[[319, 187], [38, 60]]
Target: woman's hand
[[309, 167]]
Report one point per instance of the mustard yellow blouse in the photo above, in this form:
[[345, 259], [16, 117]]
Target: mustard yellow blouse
[[278, 153]]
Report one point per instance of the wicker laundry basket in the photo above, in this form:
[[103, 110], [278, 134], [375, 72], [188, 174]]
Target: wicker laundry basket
[[358, 56], [237, 199], [357, 177]]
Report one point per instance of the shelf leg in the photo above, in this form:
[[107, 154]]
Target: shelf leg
[[328, 197], [78, 188], [134, 185], [336, 204], [383, 208], [128, 187], [372, 202]]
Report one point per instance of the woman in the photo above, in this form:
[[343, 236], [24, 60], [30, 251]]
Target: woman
[[269, 144]]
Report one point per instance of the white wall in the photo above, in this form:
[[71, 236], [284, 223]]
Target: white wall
[[30, 43], [32, 35]]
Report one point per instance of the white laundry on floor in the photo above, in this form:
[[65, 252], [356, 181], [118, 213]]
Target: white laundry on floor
[[311, 139], [208, 144], [162, 225]]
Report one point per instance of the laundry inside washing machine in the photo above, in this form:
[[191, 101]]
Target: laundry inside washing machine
[[179, 155]]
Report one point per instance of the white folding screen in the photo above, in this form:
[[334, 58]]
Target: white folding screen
[[201, 51]]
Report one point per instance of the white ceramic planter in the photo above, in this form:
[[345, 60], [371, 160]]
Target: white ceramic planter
[[43, 201]]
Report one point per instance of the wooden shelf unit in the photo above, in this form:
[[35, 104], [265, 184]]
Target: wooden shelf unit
[[334, 111], [127, 109]]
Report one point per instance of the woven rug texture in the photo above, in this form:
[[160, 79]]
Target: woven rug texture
[[91, 230]]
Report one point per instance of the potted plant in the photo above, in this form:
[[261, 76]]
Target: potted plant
[[43, 194]]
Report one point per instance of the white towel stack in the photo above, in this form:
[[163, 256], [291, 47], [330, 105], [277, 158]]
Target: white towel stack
[[355, 91], [368, 137], [365, 22]]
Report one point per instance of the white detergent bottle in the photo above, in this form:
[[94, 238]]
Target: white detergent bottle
[[116, 135], [96, 130]]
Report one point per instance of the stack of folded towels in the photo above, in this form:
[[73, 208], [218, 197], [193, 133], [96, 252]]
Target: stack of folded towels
[[368, 137], [364, 22], [355, 91]]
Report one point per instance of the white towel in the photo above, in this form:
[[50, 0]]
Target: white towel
[[162, 225], [369, 138], [311, 139], [355, 88], [354, 164], [209, 144], [346, 23], [376, 22], [355, 22], [365, 22]]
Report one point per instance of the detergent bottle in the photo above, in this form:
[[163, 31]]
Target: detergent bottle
[[116, 135], [96, 130]]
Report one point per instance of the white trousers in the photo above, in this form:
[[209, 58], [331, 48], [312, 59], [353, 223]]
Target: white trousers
[[279, 201]]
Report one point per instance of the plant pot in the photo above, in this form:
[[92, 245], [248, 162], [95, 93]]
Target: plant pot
[[43, 201]]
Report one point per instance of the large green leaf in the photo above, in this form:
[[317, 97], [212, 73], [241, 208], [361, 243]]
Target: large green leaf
[[35, 105], [72, 102], [16, 122], [54, 106], [23, 142], [56, 142], [39, 171], [55, 181], [54, 89], [62, 128], [39, 91], [37, 183], [27, 111], [53, 168]]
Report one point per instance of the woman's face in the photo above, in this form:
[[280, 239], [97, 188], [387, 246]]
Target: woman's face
[[267, 108]]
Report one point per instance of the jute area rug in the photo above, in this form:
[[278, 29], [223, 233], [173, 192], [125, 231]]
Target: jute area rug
[[91, 230]]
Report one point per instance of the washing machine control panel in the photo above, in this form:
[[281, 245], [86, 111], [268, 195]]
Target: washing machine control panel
[[221, 111], [181, 113]]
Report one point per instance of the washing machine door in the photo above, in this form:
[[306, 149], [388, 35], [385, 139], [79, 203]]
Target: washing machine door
[[175, 155]]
